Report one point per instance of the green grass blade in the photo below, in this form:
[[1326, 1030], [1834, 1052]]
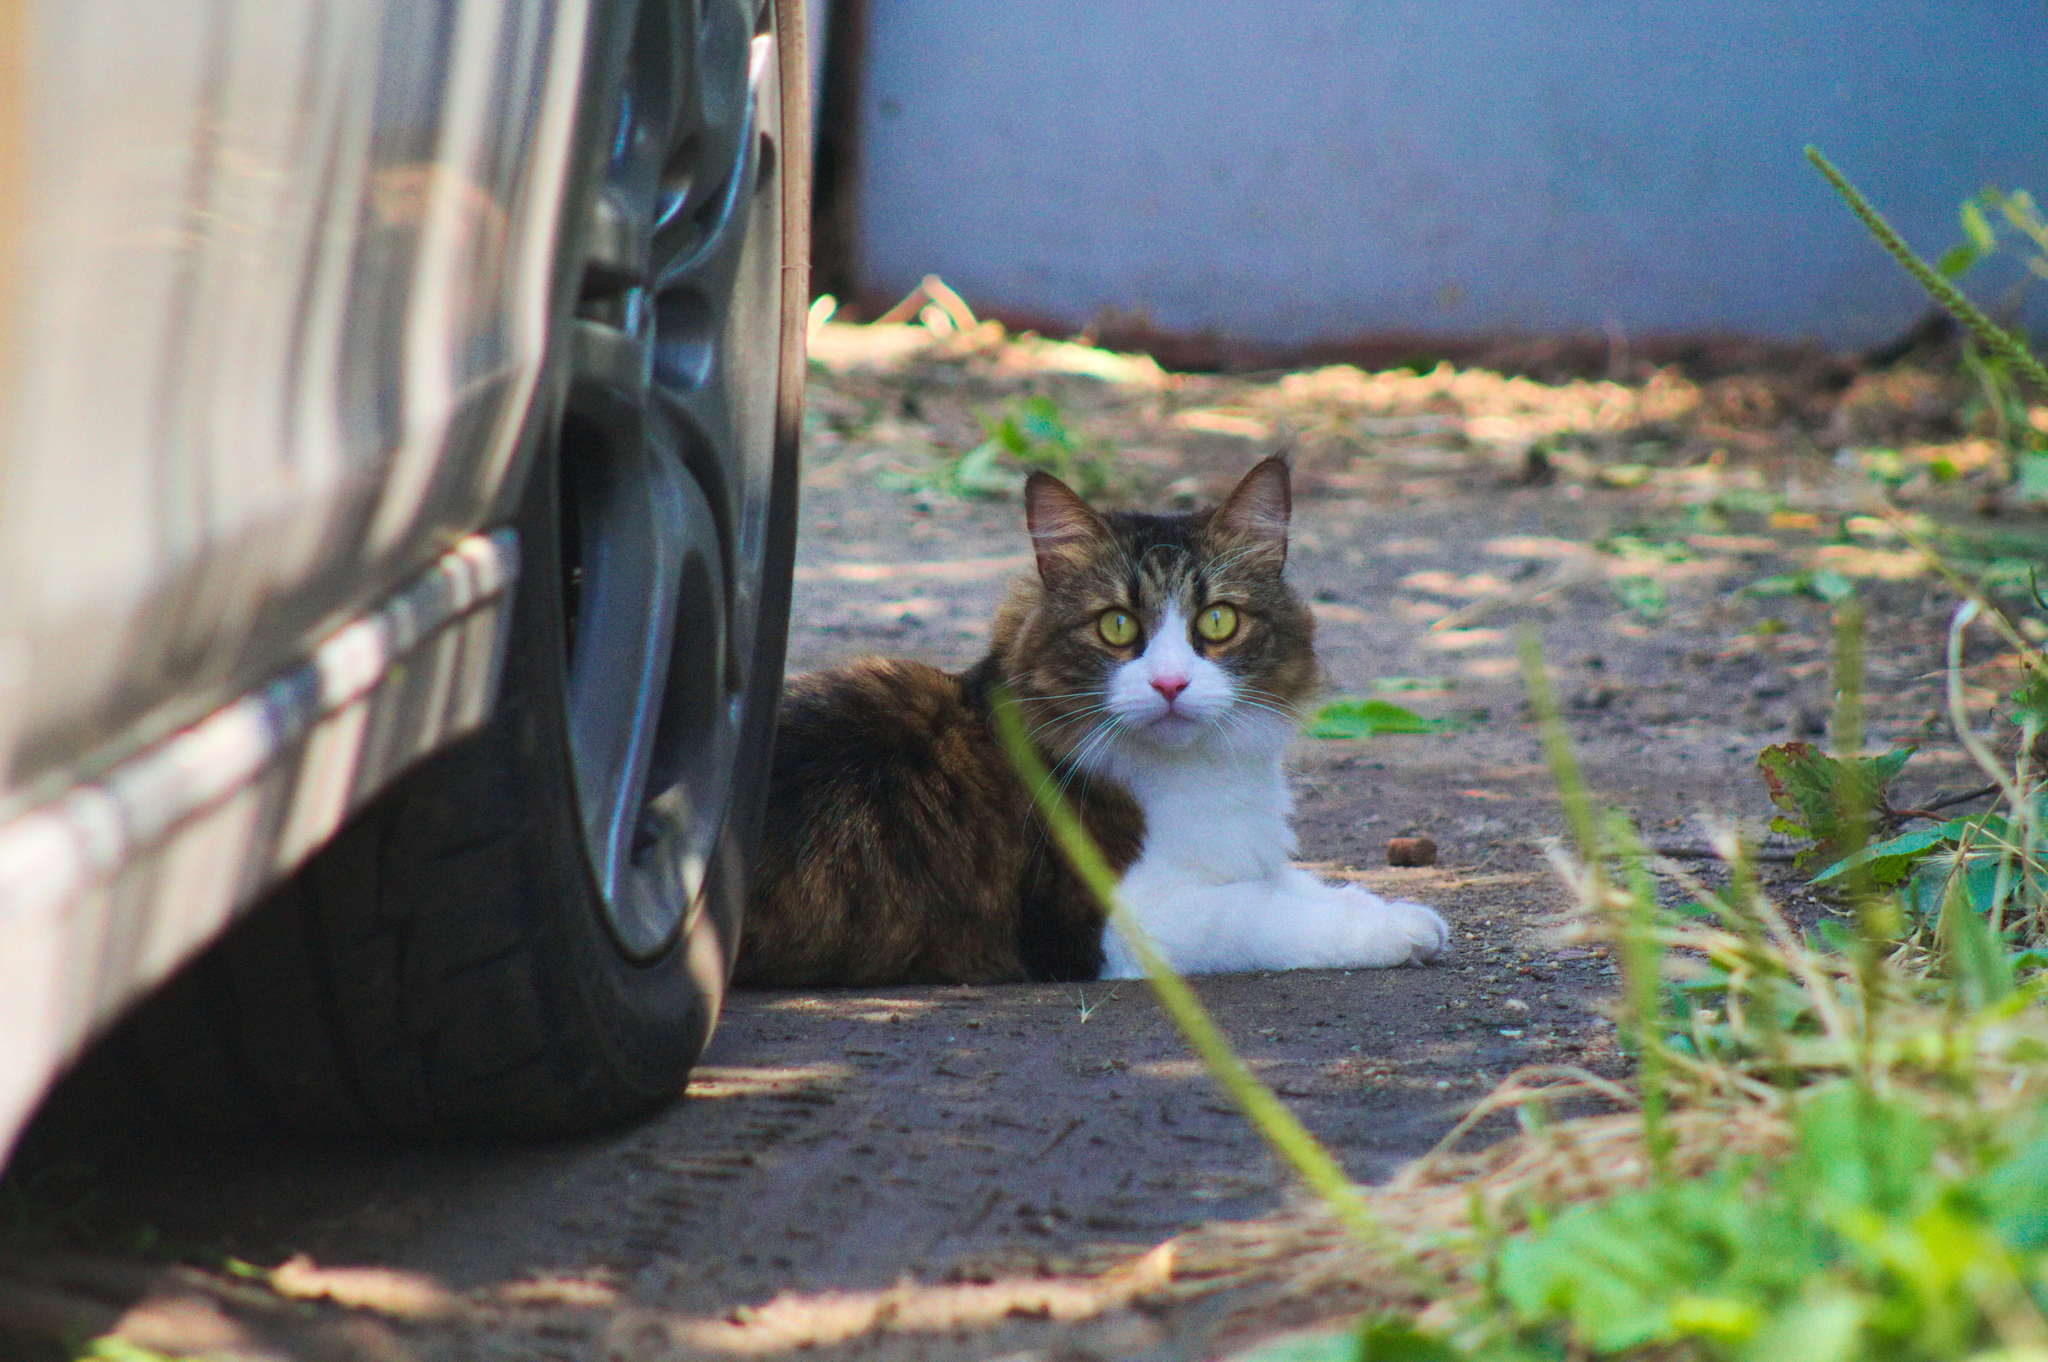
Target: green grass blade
[[1994, 337], [1626, 910], [1557, 751], [1876, 913], [1289, 1138]]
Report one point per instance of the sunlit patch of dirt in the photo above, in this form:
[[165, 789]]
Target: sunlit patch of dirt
[[950, 1173]]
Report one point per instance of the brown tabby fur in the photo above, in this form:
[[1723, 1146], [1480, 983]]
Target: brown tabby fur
[[901, 846]]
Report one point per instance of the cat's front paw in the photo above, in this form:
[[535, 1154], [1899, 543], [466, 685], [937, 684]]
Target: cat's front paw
[[1424, 927], [1402, 932]]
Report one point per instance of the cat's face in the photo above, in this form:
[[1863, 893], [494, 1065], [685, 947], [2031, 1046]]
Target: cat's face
[[1160, 632]]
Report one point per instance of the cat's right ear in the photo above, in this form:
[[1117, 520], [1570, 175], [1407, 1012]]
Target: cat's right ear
[[1065, 534], [1254, 516]]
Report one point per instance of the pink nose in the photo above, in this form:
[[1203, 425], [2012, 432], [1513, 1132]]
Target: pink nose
[[1170, 686]]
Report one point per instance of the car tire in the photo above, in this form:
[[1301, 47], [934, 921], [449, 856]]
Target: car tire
[[530, 933]]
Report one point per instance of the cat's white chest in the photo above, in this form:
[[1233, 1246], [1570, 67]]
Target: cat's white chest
[[1213, 887], [1211, 822]]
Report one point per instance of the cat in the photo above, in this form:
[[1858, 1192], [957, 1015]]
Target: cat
[[1161, 663]]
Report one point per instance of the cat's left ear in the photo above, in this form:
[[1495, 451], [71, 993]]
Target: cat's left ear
[[1254, 516], [1065, 534]]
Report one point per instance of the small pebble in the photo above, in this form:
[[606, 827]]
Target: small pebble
[[1411, 851]]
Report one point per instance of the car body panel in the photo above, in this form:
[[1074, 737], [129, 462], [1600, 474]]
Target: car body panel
[[107, 889], [280, 282], [283, 306]]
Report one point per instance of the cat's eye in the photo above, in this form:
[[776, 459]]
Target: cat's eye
[[1117, 628], [1217, 623]]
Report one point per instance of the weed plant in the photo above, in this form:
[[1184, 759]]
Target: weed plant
[[1835, 1144], [1031, 434], [1834, 1147]]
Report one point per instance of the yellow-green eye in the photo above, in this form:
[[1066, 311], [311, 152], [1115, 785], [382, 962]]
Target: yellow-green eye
[[1117, 628], [1217, 623]]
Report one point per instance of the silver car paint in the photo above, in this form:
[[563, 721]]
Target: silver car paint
[[277, 308]]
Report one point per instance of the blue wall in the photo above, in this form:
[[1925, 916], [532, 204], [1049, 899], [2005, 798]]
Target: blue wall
[[1295, 169]]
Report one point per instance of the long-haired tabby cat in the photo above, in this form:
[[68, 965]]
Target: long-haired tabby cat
[[1160, 662]]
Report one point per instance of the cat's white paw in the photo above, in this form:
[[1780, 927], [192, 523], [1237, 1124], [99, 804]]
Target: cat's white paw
[[1117, 960], [1428, 931], [1400, 932]]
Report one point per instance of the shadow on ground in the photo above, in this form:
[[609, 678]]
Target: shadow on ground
[[1025, 1171]]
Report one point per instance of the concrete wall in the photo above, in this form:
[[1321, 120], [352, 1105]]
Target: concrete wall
[[1297, 169]]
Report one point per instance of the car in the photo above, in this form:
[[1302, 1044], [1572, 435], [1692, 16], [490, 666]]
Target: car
[[397, 507]]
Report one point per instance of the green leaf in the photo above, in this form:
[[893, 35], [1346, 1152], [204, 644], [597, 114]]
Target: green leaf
[[1976, 957], [1005, 433], [1923, 890], [1780, 584], [1956, 260], [1652, 550], [1398, 1341], [1893, 859], [1643, 596], [1834, 937], [2015, 1192], [1980, 883], [1858, 1153], [1714, 1316], [1392, 683], [1352, 717], [1041, 421], [979, 474], [2030, 482], [1657, 1265], [2030, 702], [1831, 586], [1977, 228], [1031, 435], [1821, 1330], [1824, 584], [1830, 800]]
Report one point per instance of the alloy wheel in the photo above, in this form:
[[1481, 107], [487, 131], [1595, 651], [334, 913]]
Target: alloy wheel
[[667, 453]]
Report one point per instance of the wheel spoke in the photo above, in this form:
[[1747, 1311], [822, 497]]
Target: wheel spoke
[[704, 139], [634, 517], [678, 323], [717, 333]]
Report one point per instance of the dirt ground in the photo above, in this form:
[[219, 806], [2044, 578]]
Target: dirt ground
[[992, 1172]]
